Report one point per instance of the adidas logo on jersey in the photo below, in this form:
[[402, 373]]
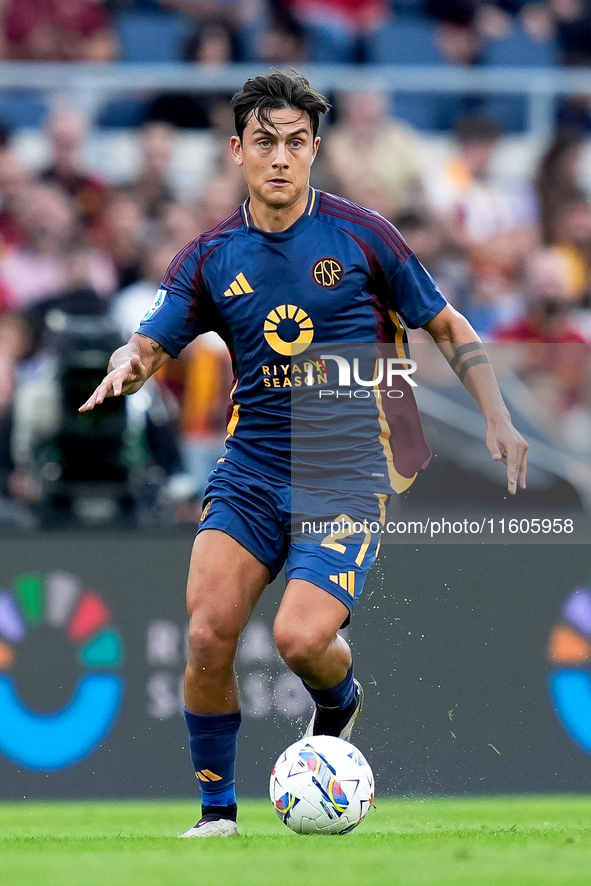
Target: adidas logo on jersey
[[239, 286], [345, 580]]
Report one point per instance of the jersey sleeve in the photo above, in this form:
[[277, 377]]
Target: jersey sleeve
[[182, 307], [410, 289], [415, 294]]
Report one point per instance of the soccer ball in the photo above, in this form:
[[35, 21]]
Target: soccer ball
[[321, 785]]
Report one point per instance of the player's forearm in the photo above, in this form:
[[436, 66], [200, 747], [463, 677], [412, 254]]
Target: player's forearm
[[151, 354], [480, 381], [466, 355]]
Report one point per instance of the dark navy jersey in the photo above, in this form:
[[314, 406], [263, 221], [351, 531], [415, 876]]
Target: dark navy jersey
[[340, 273]]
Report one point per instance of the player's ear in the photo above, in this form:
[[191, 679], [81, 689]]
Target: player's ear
[[316, 145], [236, 148]]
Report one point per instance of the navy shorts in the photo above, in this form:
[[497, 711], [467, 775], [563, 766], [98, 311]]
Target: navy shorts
[[326, 537]]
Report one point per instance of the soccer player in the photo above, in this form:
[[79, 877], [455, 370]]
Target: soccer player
[[290, 266]]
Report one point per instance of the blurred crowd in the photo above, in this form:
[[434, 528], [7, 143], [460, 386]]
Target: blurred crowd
[[75, 245], [217, 31]]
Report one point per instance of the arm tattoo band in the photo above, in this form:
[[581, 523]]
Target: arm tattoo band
[[464, 349], [464, 366], [156, 348], [473, 361]]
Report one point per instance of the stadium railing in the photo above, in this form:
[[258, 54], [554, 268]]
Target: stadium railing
[[89, 86], [466, 422]]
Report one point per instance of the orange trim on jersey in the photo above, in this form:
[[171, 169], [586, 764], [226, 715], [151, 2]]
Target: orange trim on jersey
[[381, 497], [234, 417], [399, 334], [397, 481], [312, 202]]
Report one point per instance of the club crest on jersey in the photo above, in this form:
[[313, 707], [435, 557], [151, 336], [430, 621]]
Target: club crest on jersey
[[157, 303], [328, 272]]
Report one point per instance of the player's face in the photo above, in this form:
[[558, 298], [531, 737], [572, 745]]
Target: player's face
[[276, 159]]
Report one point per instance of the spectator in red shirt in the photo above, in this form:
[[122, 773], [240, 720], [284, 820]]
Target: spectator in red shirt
[[59, 30], [67, 132], [550, 315], [14, 179], [338, 30]]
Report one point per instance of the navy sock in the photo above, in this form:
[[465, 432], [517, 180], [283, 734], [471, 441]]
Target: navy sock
[[338, 697], [213, 744]]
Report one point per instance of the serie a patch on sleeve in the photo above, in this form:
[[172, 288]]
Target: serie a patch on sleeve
[[157, 303]]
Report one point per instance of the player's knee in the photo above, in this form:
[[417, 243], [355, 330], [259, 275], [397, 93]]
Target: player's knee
[[299, 649], [211, 644]]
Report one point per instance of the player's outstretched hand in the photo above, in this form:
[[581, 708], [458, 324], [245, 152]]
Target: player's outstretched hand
[[124, 379], [506, 444]]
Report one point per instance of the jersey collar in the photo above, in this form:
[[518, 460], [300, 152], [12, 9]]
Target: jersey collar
[[302, 222]]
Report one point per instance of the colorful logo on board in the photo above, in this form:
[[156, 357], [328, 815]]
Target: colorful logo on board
[[569, 651], [54, 740]]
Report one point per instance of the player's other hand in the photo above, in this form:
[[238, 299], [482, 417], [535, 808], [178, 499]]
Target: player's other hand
[[126, 378], [506, 444]]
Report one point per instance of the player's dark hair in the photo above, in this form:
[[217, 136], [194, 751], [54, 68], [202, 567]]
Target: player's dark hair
[[279, 89]]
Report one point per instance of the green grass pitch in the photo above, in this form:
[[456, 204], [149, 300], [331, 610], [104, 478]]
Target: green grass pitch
[[469, 842]]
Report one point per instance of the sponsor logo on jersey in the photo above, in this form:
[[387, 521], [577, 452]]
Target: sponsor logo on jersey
[[238, 286], [157, 303], [291, 374], [288, 330], [328, 272]]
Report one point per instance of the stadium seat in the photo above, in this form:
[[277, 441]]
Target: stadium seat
[[413, 42], [151, 36], [23, 109], [520, 49], [408, 9], [122, 112], [405, 42], [517, 49], [144, 36]]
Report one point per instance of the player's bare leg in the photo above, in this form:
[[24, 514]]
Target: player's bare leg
[[305, 632], [224, 585]]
